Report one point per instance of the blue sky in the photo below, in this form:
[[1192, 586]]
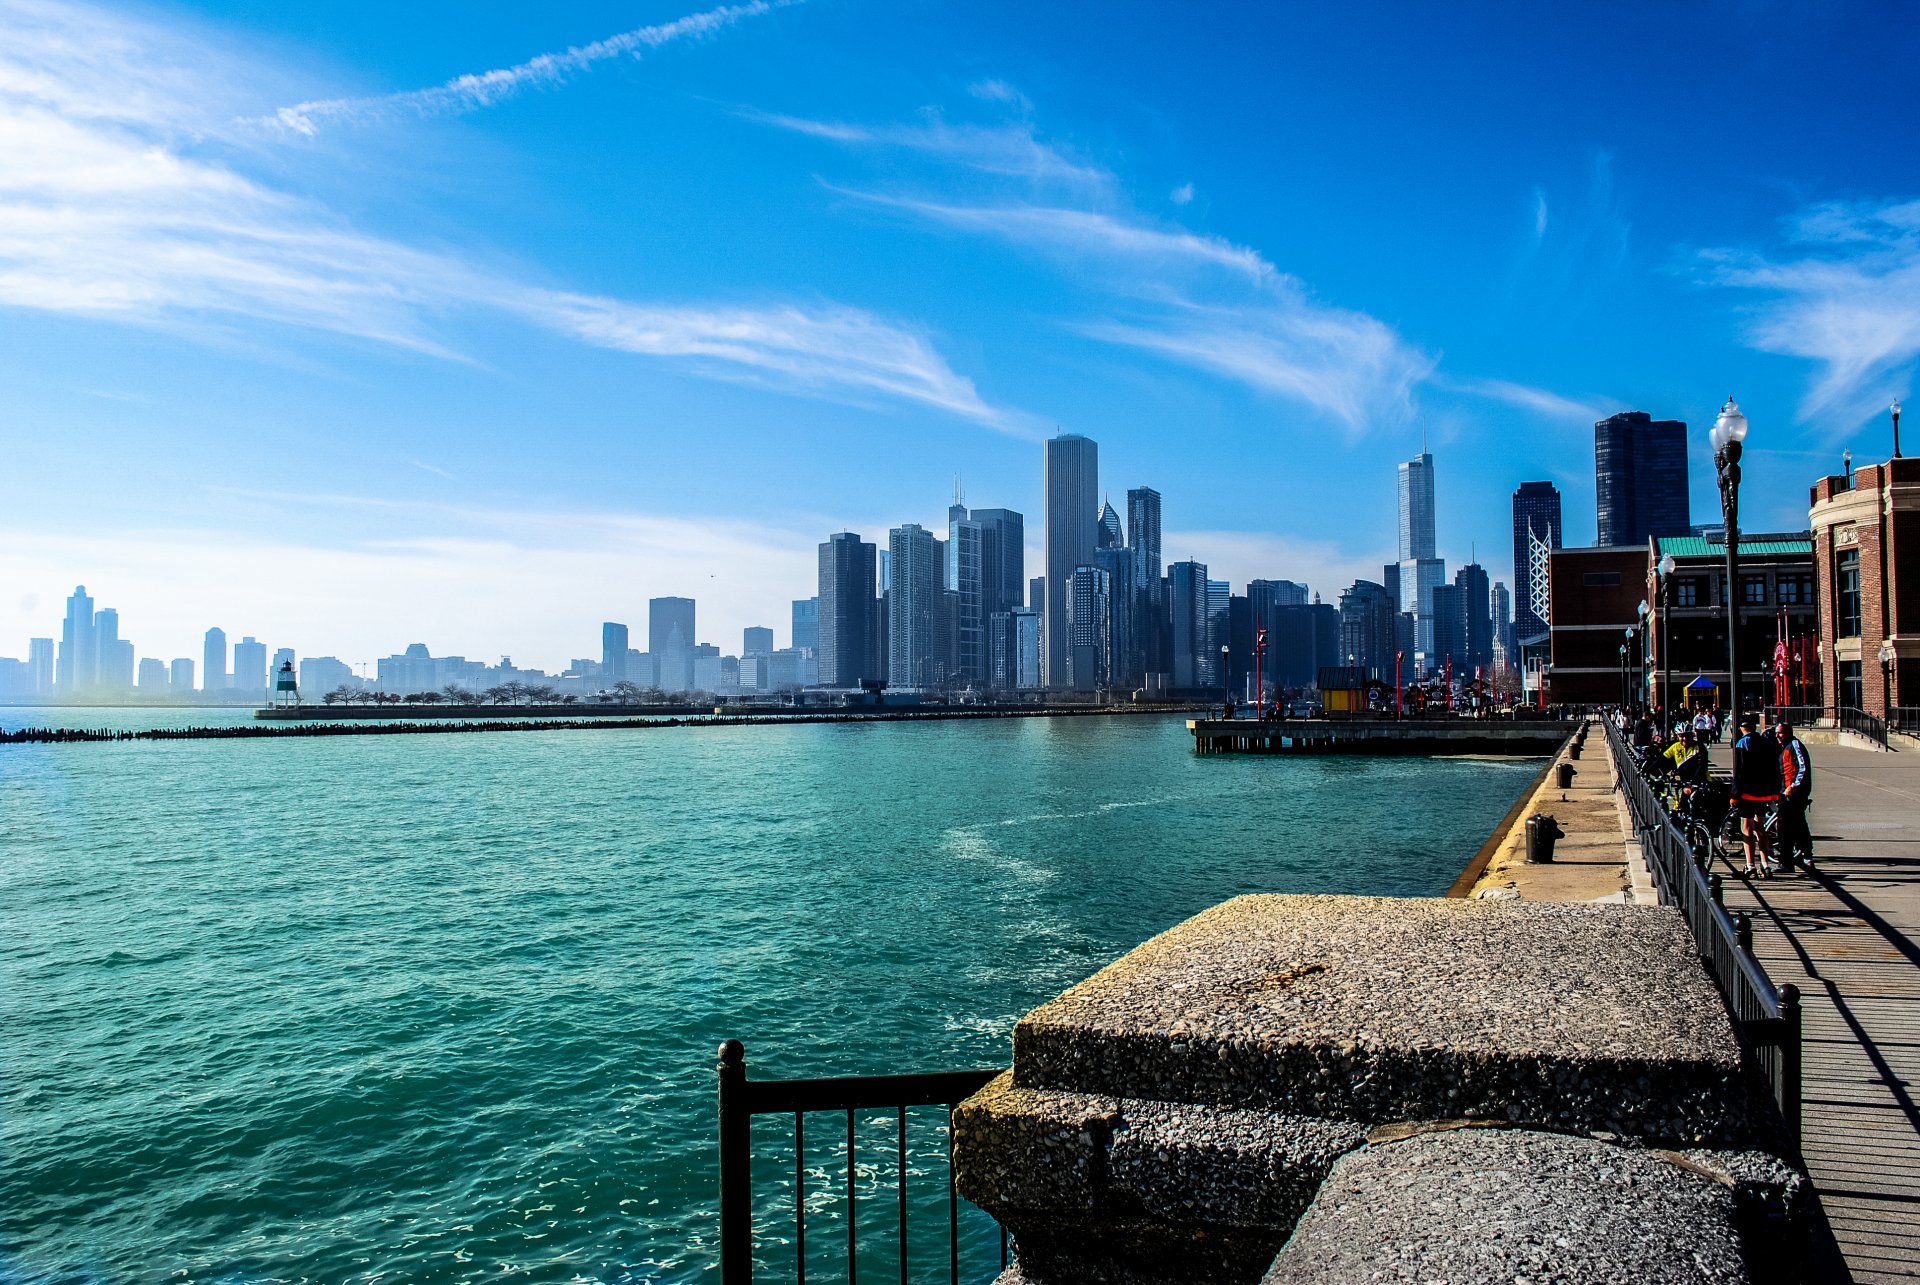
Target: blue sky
[[483, 324]]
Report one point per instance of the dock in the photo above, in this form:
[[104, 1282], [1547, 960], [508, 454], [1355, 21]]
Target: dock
[[1516, 738]]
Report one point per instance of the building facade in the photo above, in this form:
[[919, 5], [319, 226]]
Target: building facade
[[1536, 532], [671, 640], [1866, 563], [1777, 595], [1593, 596], [848, 653], [914, 585]]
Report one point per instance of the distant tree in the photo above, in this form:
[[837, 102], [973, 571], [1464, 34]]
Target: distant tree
[[339, 695], [539, 693], [569, 699], [626, 693], [457, 695]]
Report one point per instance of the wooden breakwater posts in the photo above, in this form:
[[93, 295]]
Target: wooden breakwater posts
[[1520, 738]]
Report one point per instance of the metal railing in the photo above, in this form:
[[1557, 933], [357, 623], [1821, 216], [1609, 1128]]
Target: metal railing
[[1799, 715], [1871, 726], [1766, 1017], [741, 1099]]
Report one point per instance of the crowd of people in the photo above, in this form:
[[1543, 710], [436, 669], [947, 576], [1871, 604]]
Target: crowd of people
[[1771, 784]]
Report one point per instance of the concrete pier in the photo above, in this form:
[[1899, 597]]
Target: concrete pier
[[1425, 737]]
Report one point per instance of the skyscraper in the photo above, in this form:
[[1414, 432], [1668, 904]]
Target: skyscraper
[[806, 623], [113, 655], [250, 667], [1449, 641], [965, 577], [1014, 650], [1640, 478], [847, 610], [614, 642], [1502, 605], [1107, 532], [1073, 492], [1089, 629], [153, 675], [79, 657], [180, 675], [1476, 616], [756, 640], [40, 665], [1187, 594], [670, 641], [1150, 638], [1209, 667], [1123, 647], [1367, 613], [911, 659], [1416, 508], [1536, 509], [1003, 559], [1421, 569], [1143, 534], [213, 661]]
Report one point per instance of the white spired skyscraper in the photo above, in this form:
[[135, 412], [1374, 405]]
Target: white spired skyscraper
[[1073, 501], [1421, 571]]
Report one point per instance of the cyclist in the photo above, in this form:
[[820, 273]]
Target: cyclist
[[1756, 787], [1689, 760]]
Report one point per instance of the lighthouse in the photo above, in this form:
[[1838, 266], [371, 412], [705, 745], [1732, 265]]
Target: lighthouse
[[286, 689]]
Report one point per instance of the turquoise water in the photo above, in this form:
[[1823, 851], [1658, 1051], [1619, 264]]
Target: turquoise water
[[444, 1008]]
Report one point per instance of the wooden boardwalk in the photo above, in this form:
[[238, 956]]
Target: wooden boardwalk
[[1850, 939]]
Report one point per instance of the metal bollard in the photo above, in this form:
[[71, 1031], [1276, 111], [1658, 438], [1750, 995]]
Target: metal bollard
[[1565, 773]]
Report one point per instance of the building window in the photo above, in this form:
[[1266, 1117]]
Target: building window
[[1753, 590], [1850, 684], [1686, 593], [1847, 578], [1795, 591], [1602, 579]]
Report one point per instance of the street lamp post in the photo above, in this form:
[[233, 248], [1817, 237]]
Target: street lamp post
[[1895, 408], [1729, 431], [1398, 656], [1886, 677], [1226, 685], [1644, 680], [1625, 690], [1666, 644]]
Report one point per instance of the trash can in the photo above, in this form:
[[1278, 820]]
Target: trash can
[[1565, 773], [1542, 831]]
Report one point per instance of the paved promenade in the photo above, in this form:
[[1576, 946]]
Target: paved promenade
[[1850, 939]]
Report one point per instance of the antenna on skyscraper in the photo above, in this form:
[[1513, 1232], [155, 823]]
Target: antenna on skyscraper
[[960, 489]]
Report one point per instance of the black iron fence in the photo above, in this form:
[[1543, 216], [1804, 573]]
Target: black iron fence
[[1905, 720], [741, 1099], [1766, 1017], [1799, 715], [1871, 726]]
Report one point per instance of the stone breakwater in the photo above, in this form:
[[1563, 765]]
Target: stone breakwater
[[1278, 1071]]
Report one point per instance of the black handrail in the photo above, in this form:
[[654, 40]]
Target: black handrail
[[1766, 1018], [741, 1099], [1871, 726]]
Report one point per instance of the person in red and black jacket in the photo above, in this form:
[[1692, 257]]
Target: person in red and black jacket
[[1756, 787], [1796, 792]]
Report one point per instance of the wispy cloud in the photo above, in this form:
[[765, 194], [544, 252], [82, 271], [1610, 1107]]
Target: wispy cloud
[[1540, 401], [1010, 149], [1844, 294], [129, 214], [483, 89]]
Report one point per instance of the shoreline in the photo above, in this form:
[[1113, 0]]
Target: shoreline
[[254, 731], [1476, 868]]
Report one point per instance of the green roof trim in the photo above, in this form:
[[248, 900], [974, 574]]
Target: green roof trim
[[1693, 546]]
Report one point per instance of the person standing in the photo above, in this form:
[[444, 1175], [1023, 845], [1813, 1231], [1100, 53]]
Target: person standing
[[1756, 787], [1796, 793]]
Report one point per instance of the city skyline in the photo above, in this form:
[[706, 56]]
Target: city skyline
[[624, 327]]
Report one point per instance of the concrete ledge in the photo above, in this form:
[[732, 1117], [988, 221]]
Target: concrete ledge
[[1375, 1009], [1510, 1205]]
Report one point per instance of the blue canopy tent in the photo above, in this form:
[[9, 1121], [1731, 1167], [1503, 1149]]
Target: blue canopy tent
[[1700, 690]]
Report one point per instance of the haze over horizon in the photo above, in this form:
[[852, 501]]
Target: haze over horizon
[[478, 326]]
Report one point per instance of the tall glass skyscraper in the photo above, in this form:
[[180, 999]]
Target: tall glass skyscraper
[[79, 657], [1073, 498], [670, 640], [1421, 570], [1640, 478], [213, 661], [912, 661], [1536, 509], [965, 577], [613, 651], [1003, 559]]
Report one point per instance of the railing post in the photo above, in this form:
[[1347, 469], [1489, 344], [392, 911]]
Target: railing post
[[736, 1160], [1743, 930], [1717, 889], [1790, 1061]]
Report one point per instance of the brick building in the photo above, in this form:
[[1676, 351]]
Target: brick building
[[1866, 562], [1776, 586], [1593, 595]]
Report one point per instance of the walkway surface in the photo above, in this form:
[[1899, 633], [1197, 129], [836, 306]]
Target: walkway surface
[[1849, 937]]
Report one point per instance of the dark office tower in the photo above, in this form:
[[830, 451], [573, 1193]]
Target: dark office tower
[[1123, 655], [1476, 616], [1187, 606], [1037, 594], [613, 651], [670, 641], [1240, 649], [1152, 646], [213, 661], [1390, 578], [848, 617], [1073, 497], [806, 624], [1536, 521], [1640, 478], [966, 580], [79, 656], [911, 605], [756, 640], [1003, 559], [1367, 614], [1107, 533], [1449, 642]]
